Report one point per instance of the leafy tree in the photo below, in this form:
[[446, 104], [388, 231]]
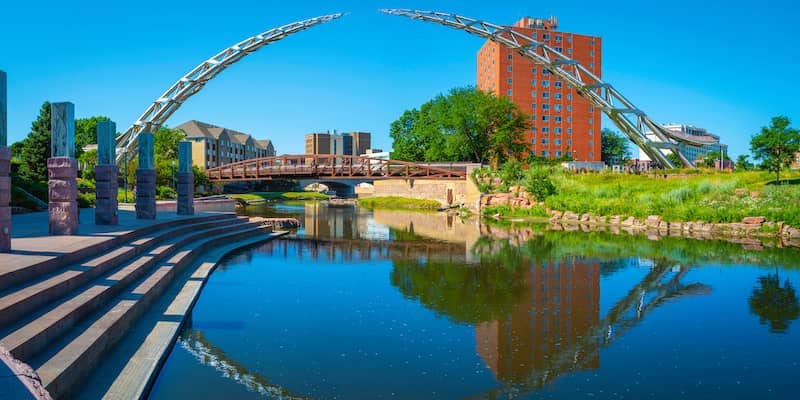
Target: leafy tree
[[743, 162], [86, 132], [165, 143], [710, 158], [774, 304], [35, 149], [200, 177], [89, 161], [464, 125], [674, 159], [776, 145], [614, 148]]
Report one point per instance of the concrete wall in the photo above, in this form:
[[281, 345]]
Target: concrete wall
[[216, 205], [462, 192], [439, 226]]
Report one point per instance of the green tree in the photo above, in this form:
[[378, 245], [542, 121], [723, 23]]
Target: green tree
[[776, 145], [200, 177], [86, 132], [614, 148], [674, 159], [35, 149], [710, 158], [743, 162], [165, 143], [464, 125], [89, 161]]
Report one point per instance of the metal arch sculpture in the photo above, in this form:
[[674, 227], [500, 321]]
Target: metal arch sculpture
[[631, 120], [161, 109]]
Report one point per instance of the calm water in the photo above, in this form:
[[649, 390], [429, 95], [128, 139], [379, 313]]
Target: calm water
[[363, 305]]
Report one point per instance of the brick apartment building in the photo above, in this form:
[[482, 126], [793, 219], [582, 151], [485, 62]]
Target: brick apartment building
[[562, 122]]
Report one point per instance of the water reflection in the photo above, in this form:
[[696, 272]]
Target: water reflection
[[774, 304], [530, 298]]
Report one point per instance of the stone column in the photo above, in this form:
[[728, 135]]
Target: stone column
[[5, 170], [106, 175], [185, 179], [146, 179], [62, 171]]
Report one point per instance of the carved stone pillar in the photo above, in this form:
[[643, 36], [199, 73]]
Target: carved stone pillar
[[185, 179], [146, 179], [62, 171], [106, 175]]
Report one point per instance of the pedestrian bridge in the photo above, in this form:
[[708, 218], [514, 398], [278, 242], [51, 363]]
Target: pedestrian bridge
[[334, 166]]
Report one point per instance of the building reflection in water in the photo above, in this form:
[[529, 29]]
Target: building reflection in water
[[562, 307]]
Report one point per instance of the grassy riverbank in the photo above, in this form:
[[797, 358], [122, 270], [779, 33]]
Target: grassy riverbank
[[264, 196], [399, 203], [705, 196]]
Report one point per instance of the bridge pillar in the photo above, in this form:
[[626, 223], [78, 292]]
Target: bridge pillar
[[185, 179], [106, 175], [62, 171], [146, 178], [5, 171]]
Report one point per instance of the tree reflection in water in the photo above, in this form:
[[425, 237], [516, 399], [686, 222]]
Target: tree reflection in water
[[774, 304]]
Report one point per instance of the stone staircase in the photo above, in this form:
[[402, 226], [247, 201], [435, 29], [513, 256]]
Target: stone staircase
[[64, 315]]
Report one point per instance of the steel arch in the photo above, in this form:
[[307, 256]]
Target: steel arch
[[163, 107], [631, 120]]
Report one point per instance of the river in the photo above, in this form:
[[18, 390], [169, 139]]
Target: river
[[389, 304]]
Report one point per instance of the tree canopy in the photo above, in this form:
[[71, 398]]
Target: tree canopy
[[464, 125], [774, 304], [35, 148], [614, 148], [86, 132], [776, 145]]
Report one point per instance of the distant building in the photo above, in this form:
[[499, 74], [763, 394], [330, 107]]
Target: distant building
[[213, 145], [796, 163], [692, 153], [349, 144], [562, 122], [378, 154]]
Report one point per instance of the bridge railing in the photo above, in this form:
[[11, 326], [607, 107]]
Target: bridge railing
[[334, 166]]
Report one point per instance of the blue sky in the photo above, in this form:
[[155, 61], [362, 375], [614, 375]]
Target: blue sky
[[725, 65]]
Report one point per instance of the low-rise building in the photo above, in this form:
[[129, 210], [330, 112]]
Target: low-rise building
[[349, 144], [213, 145], [692, 153]]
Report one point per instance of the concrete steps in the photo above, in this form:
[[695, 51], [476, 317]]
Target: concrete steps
[[63, 323], [15, 275], [75, 360], [25, 342]]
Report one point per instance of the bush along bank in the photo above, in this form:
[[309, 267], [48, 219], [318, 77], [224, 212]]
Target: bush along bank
[[722, 204], [399, 203]]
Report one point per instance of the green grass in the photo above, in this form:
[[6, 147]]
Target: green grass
[[399, 203], [263, 196], [507, 211], [704, 196]]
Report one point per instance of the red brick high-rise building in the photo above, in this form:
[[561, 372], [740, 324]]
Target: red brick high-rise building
[[562, 122]]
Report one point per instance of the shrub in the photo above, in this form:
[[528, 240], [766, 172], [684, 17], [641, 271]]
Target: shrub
[[166, 193], [537, 182], [86, 200]]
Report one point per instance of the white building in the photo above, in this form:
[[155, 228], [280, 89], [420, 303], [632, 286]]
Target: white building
[[690, 152]]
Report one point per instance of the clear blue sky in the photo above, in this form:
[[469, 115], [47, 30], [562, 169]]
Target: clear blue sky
[[725, 65]]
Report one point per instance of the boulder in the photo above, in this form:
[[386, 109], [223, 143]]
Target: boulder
[[653, 221], [753, 220]]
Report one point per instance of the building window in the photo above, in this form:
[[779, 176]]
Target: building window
[[591, 143], [591, 53], [544, 140], [509, 68], [557, 107], [545, 106], [569, 119], [591, 109], [544, 153], [533, 106], [533, 93], [569, 39], [558, 96], [545, 83], [509, 81], [569, 96], [591, 132], [545, 118], [569, 142], [569, 50], [533, 70], [558, 153], [559, 49], [558, 119], [557, 142], [591, 121], [546, 95], [533, 82], [533, 129], [557, 38], [569, 131], [591, 154], [591, 42], [557, 130], [545, 71], [545, 36], [591, 65], [509, 92], [569, 108], [510, 56], [545, 130], [558, 84], [533, 117]]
